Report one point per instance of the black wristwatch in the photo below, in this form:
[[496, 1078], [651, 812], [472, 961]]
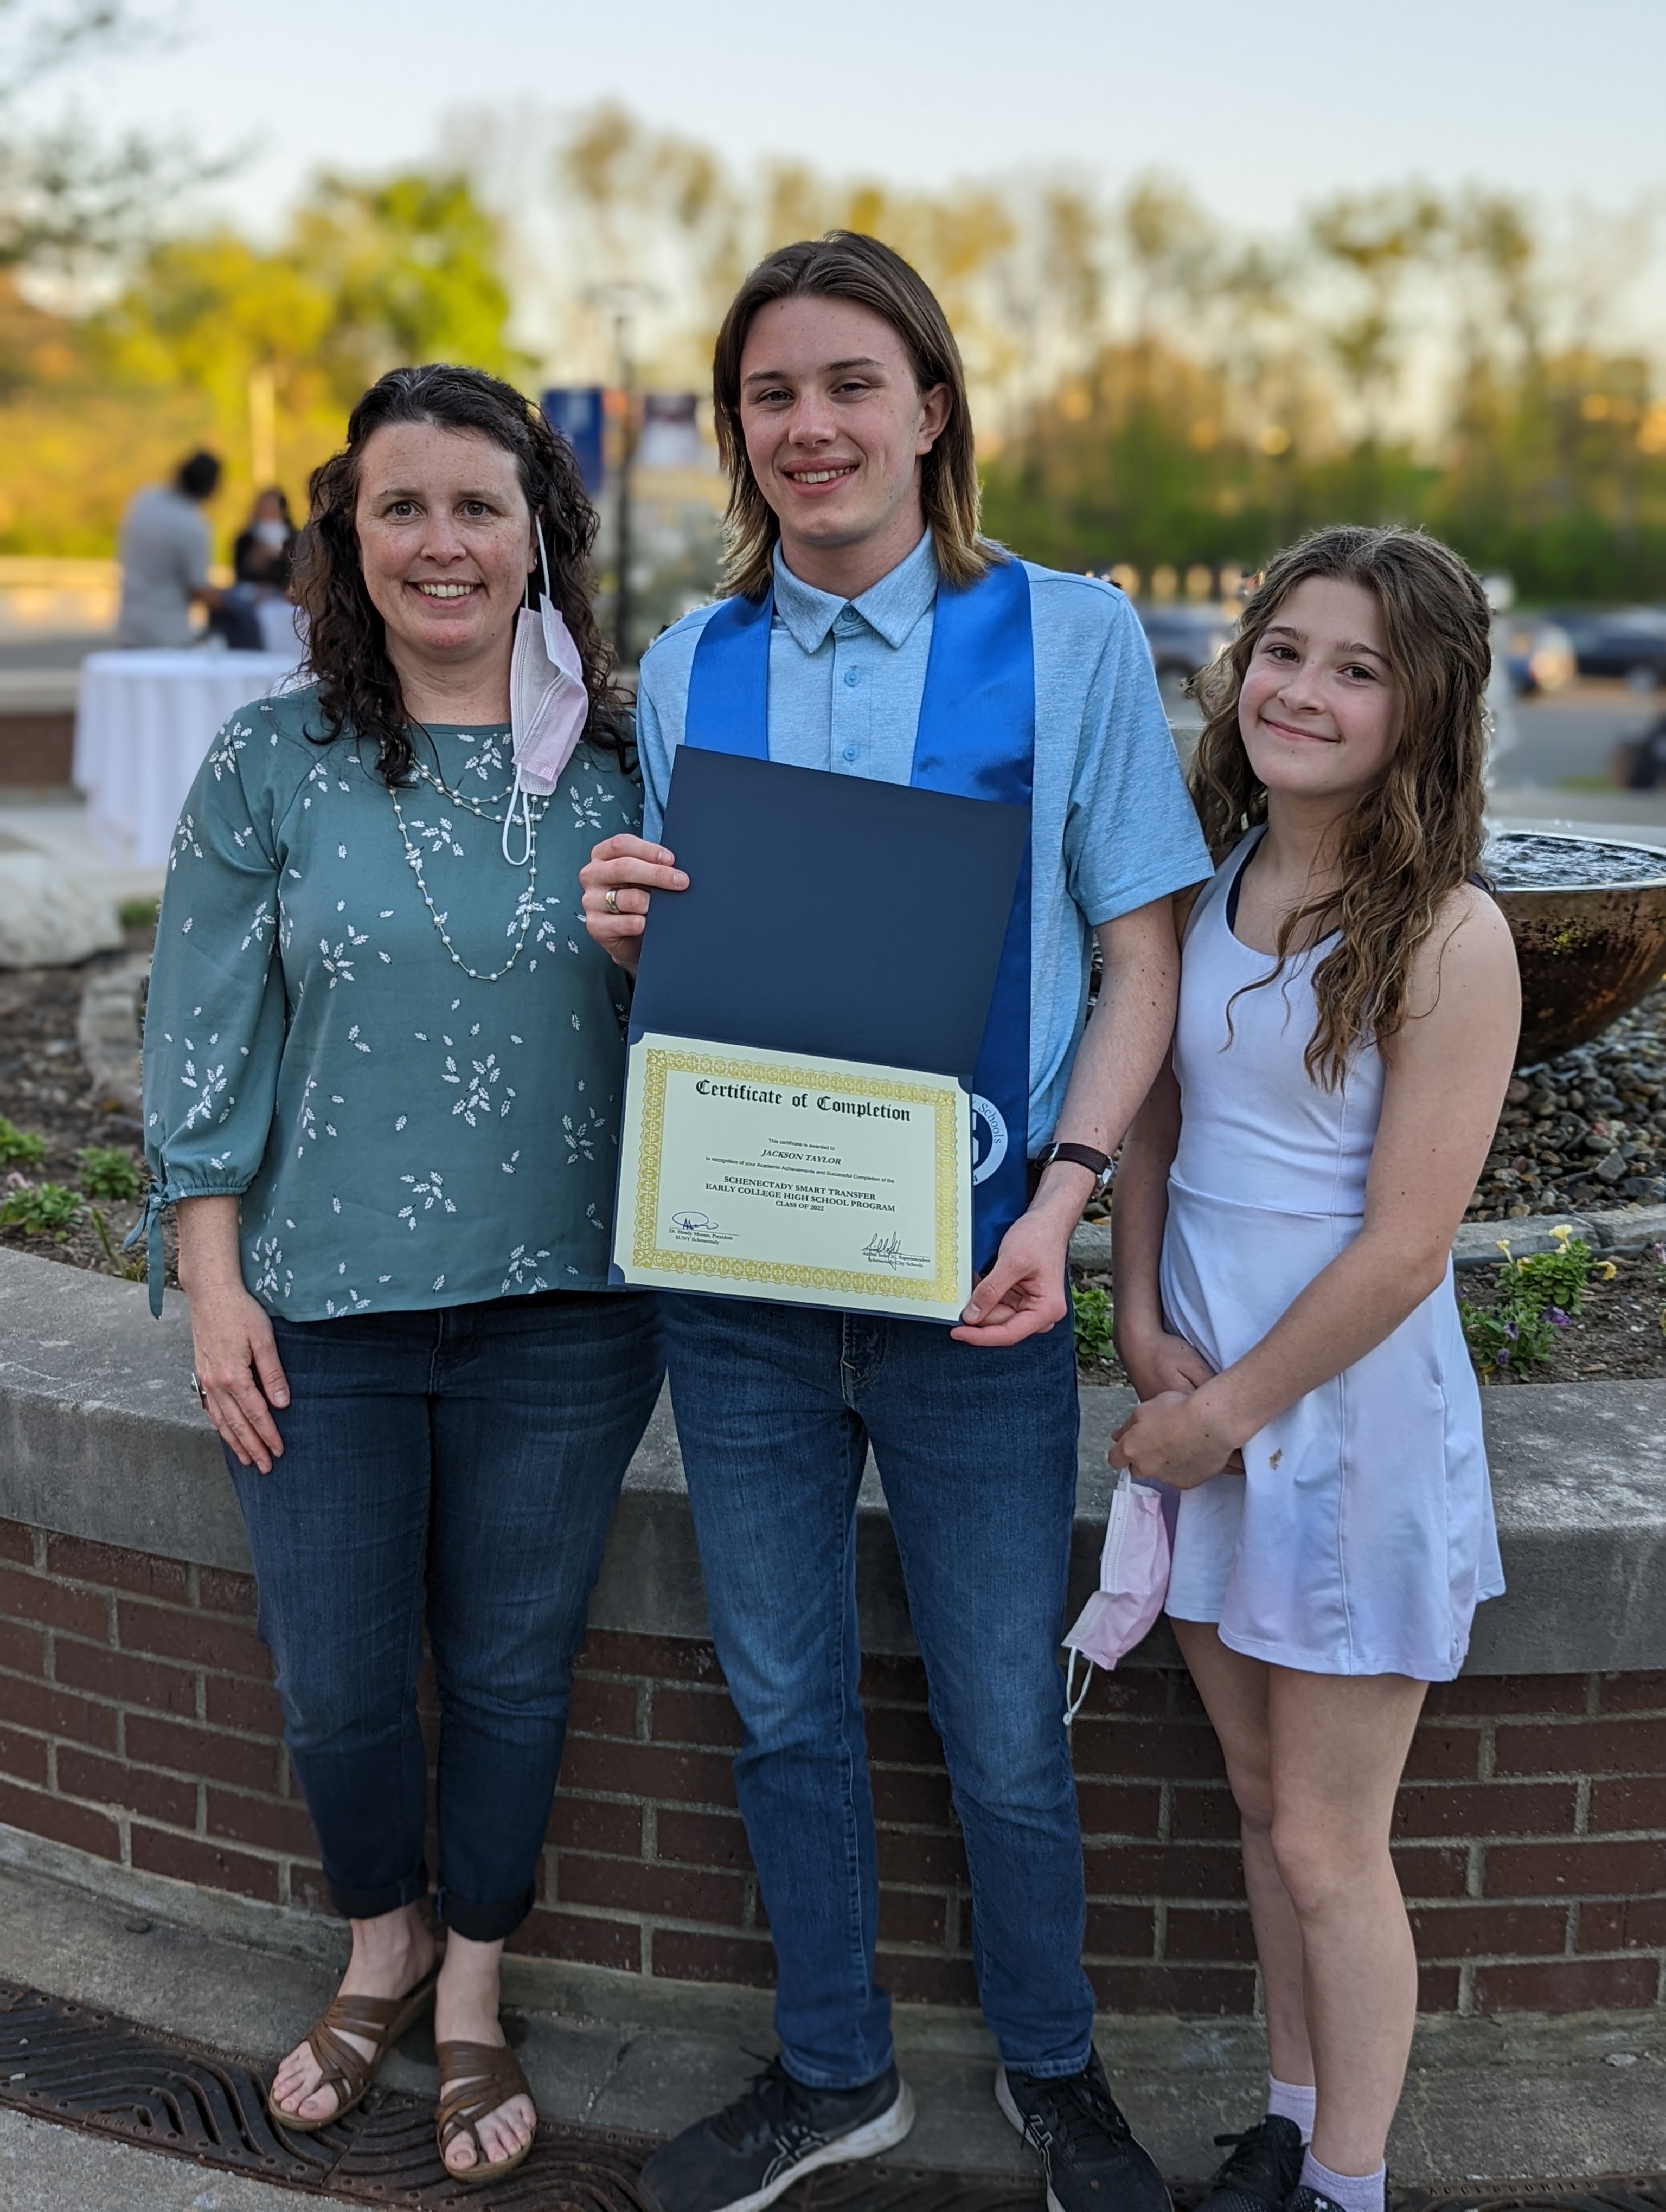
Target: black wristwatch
[[1082, 1156]]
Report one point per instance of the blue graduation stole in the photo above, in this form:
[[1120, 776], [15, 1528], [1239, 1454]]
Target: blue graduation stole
[[976, 739]]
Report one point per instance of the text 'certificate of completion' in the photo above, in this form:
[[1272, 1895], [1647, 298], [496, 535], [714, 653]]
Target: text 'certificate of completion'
[[805, 1179]]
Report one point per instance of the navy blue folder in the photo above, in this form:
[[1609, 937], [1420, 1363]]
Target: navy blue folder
[[828, 915]]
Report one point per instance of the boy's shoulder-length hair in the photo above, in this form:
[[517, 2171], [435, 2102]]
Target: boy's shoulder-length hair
[[846, 264]]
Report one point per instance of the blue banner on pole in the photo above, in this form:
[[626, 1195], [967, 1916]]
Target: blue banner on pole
[[574, 412]]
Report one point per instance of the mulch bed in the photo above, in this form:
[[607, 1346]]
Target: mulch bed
[[1617, 1335], [46, 1091]]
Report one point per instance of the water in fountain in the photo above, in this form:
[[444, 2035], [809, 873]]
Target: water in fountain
[[1524, 861]]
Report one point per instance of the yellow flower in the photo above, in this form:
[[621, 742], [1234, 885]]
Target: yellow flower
[[1562, 1231], [1503, 1243], [1608, 1271]]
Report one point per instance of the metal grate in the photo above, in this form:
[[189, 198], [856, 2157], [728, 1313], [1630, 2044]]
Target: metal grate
[[62, 2061]]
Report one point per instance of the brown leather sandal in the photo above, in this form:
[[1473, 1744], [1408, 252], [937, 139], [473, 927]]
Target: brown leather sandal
[[475, 2079], [380, 2020]]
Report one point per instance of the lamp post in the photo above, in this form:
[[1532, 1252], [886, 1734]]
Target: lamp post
[[624, 300], [627, 454]]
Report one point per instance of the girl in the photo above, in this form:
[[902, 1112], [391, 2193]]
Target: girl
[[1348, 1017]]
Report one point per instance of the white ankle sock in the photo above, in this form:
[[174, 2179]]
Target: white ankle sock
[[1354, 2192], [1292, 2100]]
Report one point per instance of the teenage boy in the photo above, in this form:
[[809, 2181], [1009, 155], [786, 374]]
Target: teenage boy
[[888, 640]]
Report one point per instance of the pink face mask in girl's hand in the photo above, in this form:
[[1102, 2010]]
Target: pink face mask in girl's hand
[[1133, 1581]]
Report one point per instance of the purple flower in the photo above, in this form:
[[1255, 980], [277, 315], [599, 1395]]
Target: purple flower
[[1557, 1318]]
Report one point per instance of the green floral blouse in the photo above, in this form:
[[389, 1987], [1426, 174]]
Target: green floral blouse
[[403, 1053]]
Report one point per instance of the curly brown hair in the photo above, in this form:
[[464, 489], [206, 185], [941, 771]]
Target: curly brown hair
[[848, 265], [1416, 835], [359, 690]]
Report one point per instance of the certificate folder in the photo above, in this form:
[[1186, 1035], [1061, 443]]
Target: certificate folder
[[829, 915], [806, 1023]]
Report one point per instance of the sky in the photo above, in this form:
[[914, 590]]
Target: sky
[[1261, 108]]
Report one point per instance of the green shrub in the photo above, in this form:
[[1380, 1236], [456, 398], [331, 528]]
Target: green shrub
[[1538, 1298], [1090, 1308], [138, 913], [109, 1171], [41, 1209], [20, 1148]]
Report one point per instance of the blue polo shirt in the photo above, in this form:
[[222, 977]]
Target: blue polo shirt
[[1112, 827]]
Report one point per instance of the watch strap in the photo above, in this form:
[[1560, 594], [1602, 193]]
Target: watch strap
[[1081, 1155]]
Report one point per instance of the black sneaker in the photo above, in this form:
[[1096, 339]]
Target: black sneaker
[[1264, 2165], [742, 2157], [1302, 2199], [1088, 2153]]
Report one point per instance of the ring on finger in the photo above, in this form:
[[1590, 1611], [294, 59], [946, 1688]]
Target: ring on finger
[[613, 901], [202, 1394]]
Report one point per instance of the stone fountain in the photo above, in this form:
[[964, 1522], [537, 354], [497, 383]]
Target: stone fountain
[[1588, 917]]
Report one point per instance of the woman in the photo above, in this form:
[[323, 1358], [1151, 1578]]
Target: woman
[[254, 613], [383, 1074], [264, 554], [1348, 1017]]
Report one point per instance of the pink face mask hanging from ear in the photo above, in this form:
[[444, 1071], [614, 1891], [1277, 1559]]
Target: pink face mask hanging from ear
[[549, 704]]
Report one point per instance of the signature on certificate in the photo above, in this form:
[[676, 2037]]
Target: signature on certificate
[[690, 1226], [887, 1252]]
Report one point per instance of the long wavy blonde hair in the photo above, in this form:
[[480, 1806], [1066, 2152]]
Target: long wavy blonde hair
[[1416, 834]]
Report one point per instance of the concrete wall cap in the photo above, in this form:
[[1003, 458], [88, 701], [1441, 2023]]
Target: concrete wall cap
[[1605, 1229]]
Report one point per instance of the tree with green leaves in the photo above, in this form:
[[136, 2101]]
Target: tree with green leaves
[[71, 199]]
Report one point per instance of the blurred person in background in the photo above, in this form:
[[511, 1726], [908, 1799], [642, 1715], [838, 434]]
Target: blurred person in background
[[164, 555], [256, 613], [263, 557], [1641, 761]]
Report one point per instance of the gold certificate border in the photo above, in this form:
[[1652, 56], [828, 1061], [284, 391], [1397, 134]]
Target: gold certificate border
[[947, 1101]]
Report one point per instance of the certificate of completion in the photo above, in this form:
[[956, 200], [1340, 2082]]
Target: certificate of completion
[[795, 1177]]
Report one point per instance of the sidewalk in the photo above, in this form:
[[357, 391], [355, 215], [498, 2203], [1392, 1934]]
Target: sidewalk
[[58, 827], [48, 2169], [1487, 2101]]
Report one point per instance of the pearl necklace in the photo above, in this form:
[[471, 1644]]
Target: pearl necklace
[[414, 858]]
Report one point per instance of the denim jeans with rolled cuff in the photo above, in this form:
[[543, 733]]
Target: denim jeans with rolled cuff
[[776, 1408], [462, 1462]]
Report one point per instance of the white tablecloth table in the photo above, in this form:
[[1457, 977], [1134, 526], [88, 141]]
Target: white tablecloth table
[[144, 722]]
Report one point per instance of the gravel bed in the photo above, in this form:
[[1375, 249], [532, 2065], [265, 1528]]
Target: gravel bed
[[1588, 1129]]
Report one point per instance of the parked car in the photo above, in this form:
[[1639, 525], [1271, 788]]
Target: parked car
[[1625, 641], [1182, 637], [1537, 653]]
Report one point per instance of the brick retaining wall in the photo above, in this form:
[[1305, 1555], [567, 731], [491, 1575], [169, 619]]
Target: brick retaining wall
[[137, 1723], [36, 749]]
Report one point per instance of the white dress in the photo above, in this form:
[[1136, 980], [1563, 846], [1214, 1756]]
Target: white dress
[[1360, 1539]]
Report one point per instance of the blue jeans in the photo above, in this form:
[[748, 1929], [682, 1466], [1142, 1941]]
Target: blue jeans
[[776, 1408], [466, 1458]]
